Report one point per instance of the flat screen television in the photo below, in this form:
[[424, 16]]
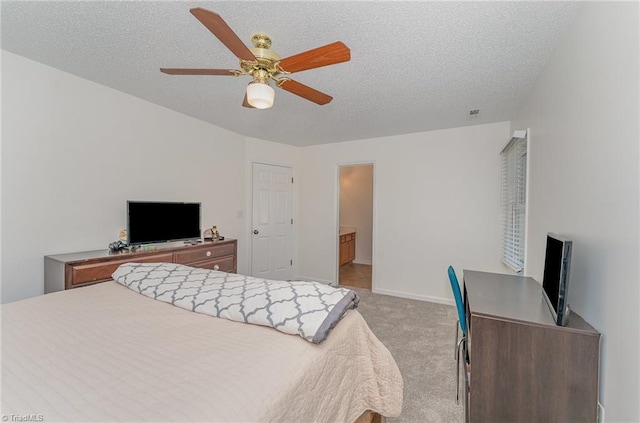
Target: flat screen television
[[152, 222], [555, 281]]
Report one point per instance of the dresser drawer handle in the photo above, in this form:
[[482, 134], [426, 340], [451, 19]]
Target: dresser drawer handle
[[208, 253], [216, 267]]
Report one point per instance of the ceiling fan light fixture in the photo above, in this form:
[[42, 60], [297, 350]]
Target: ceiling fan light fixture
[[264, 64], [260, 95]]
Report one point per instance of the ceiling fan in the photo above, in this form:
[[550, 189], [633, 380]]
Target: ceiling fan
[[263, 64]]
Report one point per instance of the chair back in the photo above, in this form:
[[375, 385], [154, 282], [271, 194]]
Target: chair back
[[458, 297]]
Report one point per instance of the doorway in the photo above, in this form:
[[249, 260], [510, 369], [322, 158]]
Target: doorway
[[355, 225], [272, 230]]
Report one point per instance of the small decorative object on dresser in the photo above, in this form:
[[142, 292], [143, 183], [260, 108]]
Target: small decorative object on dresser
[[117, 246], [66, 271], [211, 234]]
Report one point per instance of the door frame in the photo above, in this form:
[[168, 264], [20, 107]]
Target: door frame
[[336, 219], [249, 224]]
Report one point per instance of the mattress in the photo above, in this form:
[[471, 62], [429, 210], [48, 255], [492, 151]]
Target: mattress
[[106, 353]]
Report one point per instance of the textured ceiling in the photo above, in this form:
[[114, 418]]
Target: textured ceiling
[[415, 66]]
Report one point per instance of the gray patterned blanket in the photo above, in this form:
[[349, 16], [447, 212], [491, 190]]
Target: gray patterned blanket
[[308, 309]]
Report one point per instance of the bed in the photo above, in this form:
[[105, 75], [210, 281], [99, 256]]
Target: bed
[[106, 353]]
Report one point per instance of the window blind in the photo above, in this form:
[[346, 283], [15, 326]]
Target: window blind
[[514, 197]]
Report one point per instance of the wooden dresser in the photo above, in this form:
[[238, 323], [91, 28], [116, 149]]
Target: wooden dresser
[[521, 366], [73, 270]]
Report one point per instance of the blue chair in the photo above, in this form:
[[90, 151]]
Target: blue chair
[[462, 322]]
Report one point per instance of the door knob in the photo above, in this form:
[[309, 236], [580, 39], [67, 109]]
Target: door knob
[[255, 231]]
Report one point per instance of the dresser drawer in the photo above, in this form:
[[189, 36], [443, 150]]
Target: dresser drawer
[[204, 252], [225, 264], [84, 274]]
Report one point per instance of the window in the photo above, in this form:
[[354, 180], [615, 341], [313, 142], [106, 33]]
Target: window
[[514, 198]]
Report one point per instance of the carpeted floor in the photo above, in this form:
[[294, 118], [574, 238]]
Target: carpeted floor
[[420, 337]]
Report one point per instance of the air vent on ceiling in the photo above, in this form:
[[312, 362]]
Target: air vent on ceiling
[[473, 114]]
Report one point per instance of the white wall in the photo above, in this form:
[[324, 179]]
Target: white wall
[[436, 202], [1, 96], [356, 207], [74, 151], [584, 183]]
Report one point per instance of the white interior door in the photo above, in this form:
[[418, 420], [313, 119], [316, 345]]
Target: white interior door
[[272, 232]]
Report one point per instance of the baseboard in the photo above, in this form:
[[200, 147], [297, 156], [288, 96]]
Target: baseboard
[[411, 296], [367, 262], [304, 278]]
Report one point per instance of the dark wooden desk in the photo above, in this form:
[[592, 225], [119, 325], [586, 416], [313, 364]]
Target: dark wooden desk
[[522, 367]]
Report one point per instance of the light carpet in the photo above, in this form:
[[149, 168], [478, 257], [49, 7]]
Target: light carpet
[[420, 335]]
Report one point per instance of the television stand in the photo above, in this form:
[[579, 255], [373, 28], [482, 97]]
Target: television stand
[[74, 270], [521, 366]]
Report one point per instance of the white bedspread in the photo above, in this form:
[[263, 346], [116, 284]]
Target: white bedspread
[[105, 353]]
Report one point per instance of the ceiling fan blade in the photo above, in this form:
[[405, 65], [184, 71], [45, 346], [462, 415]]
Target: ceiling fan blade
[[322, 56], [178, 71], [304, 91], [245, 102], [225, 34]]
